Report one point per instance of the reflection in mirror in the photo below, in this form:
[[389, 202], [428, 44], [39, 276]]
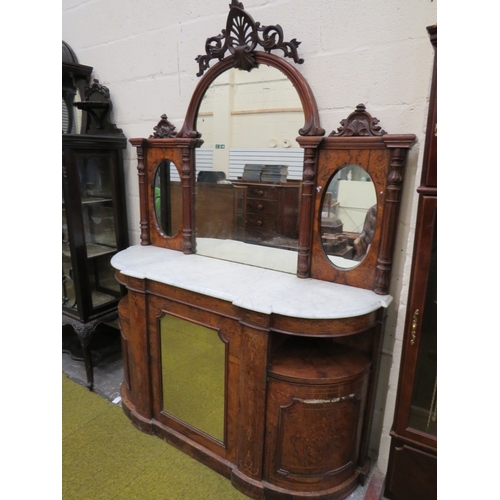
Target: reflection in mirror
[[348, 216], [193, 360], [167, 198], [249, 169]]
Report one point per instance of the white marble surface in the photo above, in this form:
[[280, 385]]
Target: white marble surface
[[253, 288]]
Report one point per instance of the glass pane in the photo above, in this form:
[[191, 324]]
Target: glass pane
[[193, 374], [68, 286], [423, 410], [95, 177], [103, 285]]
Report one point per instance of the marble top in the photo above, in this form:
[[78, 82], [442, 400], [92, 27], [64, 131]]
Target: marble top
[[250, 287]]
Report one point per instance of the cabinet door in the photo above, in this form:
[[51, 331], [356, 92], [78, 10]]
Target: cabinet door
[[417, 415], [89, 232]]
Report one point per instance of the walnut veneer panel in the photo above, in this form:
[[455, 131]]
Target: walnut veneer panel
[[315, 405]]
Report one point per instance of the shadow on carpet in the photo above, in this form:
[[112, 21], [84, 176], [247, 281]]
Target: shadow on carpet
[[105, 457]]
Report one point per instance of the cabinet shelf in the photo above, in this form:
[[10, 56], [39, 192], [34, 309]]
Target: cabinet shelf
[[93, 200], [93, 250]]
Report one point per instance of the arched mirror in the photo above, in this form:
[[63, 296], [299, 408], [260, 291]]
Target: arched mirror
[[249, 169], [348, 216], [167, 198]]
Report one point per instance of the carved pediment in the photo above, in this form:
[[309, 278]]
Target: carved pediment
[[97, 88], [359, 123], [164, 129], [241, 37]]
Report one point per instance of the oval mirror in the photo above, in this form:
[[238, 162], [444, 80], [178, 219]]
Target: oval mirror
[[167, 200], [249, 169], [348, 216]]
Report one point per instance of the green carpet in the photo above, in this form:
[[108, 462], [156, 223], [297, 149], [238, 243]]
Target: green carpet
[[105, 457]]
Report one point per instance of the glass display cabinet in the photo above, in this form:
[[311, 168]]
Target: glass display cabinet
[[93, 206], [412, 468]]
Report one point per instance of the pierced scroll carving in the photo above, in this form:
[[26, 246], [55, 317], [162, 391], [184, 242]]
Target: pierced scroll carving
[[359, 123], [164, 129], [241, 37]]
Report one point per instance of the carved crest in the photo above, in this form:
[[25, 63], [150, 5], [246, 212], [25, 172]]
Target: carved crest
[[96, 87], [359, 123], [164, 129], [241, 37]]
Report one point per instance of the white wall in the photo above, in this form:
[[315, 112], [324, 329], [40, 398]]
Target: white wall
[[355, 51]]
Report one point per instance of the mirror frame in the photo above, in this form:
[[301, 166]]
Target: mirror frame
[[150, 153], [361, 141]]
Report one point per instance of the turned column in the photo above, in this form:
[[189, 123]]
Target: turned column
[[310, 145]]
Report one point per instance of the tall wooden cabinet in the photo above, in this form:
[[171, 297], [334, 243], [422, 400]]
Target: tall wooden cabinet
[[412, 469], [93, 204]]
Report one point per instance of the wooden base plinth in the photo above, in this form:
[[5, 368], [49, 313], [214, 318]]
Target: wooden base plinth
[[262, 490], [259, 490]]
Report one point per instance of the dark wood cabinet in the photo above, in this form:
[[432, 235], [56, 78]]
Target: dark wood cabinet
[[93, 206], [412, 468]]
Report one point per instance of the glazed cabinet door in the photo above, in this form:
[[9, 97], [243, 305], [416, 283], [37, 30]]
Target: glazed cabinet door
[[90, 234], [417, 415], [412, 469]]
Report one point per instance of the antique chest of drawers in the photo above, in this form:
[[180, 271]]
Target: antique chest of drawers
[[271, 211]]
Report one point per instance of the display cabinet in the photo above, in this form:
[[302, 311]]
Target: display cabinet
[[257, 358], [93, 206], [412, 468]]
